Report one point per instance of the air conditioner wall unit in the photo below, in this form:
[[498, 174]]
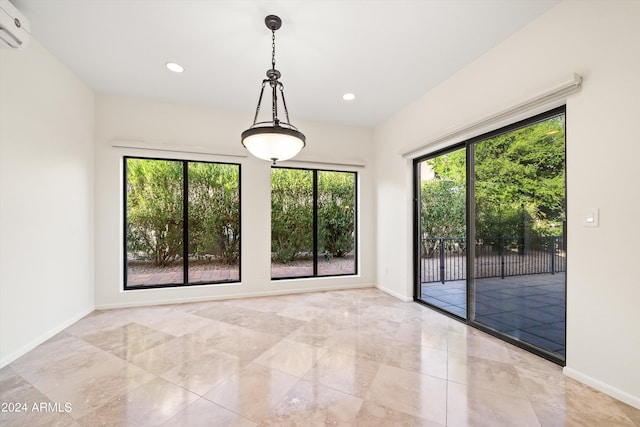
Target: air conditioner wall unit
[[14, 27]]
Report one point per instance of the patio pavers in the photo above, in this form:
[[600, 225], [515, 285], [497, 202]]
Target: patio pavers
[[530, 308]]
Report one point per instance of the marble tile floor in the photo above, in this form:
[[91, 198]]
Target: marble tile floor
[[348, 358]]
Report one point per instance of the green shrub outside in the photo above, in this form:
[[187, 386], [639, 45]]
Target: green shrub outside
[[291, 214], [336, 213], [214, 211], [154, 209], [155, 212], [442, 211]]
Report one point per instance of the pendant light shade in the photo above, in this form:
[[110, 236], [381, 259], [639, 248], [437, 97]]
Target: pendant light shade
[[273, 140]]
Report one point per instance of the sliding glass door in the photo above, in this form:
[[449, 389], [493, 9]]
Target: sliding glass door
[[518, 227], [501, 266], [441, 222]]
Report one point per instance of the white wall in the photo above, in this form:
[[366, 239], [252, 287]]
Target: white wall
[[46, 199], [121, 118], [601, 41]]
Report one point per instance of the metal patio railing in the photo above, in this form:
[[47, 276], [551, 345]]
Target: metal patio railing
[[445, 258]]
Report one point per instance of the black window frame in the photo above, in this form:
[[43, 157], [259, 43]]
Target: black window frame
[[315, 224], [185, 214]]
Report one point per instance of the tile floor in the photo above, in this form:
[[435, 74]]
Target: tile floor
[[349, 358], [529, 307]]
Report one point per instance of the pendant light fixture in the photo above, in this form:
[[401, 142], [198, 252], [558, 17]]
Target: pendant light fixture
[[273, 140]]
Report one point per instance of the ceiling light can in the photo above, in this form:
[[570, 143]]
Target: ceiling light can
[[174, 66]]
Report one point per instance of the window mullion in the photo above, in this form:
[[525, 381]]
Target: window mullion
[[185, 222], [315, 223]]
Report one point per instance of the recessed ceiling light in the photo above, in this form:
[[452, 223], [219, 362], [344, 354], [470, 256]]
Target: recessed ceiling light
[[176, 68], [349, 96]]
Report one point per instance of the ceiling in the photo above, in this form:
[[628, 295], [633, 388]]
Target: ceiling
[[388, 53]]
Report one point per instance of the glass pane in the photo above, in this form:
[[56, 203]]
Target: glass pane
[[519, 256], [442, 234], [291, 223], [154, 222], [214, 222], [336, 223]]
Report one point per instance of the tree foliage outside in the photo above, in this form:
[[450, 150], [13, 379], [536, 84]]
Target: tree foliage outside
[[442, 212], [336, 213], [443, 207], [214, 211], [155, 222], [519, 185], [154, 210], [291, 213]]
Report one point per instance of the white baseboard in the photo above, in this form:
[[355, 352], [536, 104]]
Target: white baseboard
[[395, 294], [43, 337], [621, 395], [182, 300]]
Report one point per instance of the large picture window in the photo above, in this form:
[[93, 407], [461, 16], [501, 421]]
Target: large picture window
[[313, 223], [182, 223]]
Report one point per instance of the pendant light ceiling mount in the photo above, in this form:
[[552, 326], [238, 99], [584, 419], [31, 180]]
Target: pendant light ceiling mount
[[273, 22], [273, 140]]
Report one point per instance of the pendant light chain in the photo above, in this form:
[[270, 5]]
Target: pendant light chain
[[273, 49], [274, 83], [278, 83]]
